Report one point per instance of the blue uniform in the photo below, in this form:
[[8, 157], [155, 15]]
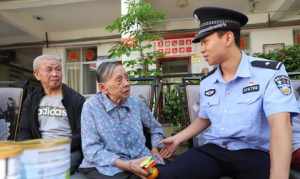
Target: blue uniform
[[239, 109], [237, 141]]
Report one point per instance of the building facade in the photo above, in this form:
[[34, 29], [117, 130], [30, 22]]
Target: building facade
[[75, 31]]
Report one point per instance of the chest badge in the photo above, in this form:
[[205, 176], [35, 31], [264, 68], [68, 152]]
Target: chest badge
[[249, 89], [283, 84], [210, 92]]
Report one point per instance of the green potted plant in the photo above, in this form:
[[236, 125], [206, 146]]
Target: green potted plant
[[173, 111]]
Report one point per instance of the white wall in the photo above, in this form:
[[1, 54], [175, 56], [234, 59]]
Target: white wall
[[258, 37], [77, 34], [103, 48], [58, 51]]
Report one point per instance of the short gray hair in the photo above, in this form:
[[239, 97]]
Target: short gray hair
[[105, 70], [38, 60]]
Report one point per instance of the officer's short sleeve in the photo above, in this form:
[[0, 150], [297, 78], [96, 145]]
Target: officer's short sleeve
[[279, 95], [202, 108]]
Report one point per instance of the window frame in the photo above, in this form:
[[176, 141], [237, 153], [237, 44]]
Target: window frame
[[81, 63]]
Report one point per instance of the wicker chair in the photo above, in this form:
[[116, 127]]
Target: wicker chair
[[10, 107]]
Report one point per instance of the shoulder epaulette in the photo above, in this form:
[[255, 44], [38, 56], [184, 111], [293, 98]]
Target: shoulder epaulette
[[209, 73], [274, 65]]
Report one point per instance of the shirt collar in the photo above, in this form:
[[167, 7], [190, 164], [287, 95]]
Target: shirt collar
[[242, 71], [218, 75], [244, 67], [109, 105]]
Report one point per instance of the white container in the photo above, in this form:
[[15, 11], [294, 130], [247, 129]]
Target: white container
[[46, 159], [10, 161], [14, 177]]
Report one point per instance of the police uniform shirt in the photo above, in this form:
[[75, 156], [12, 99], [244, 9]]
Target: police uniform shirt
[[239, 109]]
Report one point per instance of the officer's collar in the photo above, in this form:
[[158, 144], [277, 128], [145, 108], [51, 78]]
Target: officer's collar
[[243, 70]]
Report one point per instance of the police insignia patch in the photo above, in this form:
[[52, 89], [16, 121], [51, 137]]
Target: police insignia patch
[[210, 92], [283, 83]]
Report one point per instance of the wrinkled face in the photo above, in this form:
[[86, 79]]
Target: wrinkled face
[[213, 48], [49, 73], [117, 86]]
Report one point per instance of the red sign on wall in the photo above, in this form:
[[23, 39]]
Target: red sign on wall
[[174, 47]]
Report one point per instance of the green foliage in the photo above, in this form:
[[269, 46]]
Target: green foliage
[[173, 110], [290, 56], [136, 24]]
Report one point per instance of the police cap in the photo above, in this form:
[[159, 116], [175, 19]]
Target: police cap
[[216, 18]]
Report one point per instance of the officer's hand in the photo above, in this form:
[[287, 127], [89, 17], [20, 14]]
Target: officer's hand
[[134, 167], [158, 158], [171, 144]]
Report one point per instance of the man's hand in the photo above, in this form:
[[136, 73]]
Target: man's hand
[[171, 144]]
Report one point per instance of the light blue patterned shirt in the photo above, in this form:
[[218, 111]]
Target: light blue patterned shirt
[[296, 130], [239, 109], [111, 132]]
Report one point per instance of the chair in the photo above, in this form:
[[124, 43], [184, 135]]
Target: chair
[[296, 86], [192, 88], [193, 103], [144, 92], [144, 88], [10, 108]]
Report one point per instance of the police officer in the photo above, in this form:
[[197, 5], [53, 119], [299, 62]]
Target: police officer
[[247, 104]]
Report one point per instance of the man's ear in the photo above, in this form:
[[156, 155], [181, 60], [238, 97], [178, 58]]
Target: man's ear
[[36, 74], [229, 38]]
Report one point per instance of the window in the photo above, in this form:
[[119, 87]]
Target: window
[[81, 69], [297, 36], [175, 65]]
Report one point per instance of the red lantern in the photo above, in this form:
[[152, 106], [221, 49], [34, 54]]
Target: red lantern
[[73, 56], [90, 55]]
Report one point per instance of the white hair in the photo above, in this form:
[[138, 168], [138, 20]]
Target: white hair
[[38, 60], [100, 61]]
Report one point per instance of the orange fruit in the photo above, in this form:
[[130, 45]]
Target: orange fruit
[[154, 173]]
